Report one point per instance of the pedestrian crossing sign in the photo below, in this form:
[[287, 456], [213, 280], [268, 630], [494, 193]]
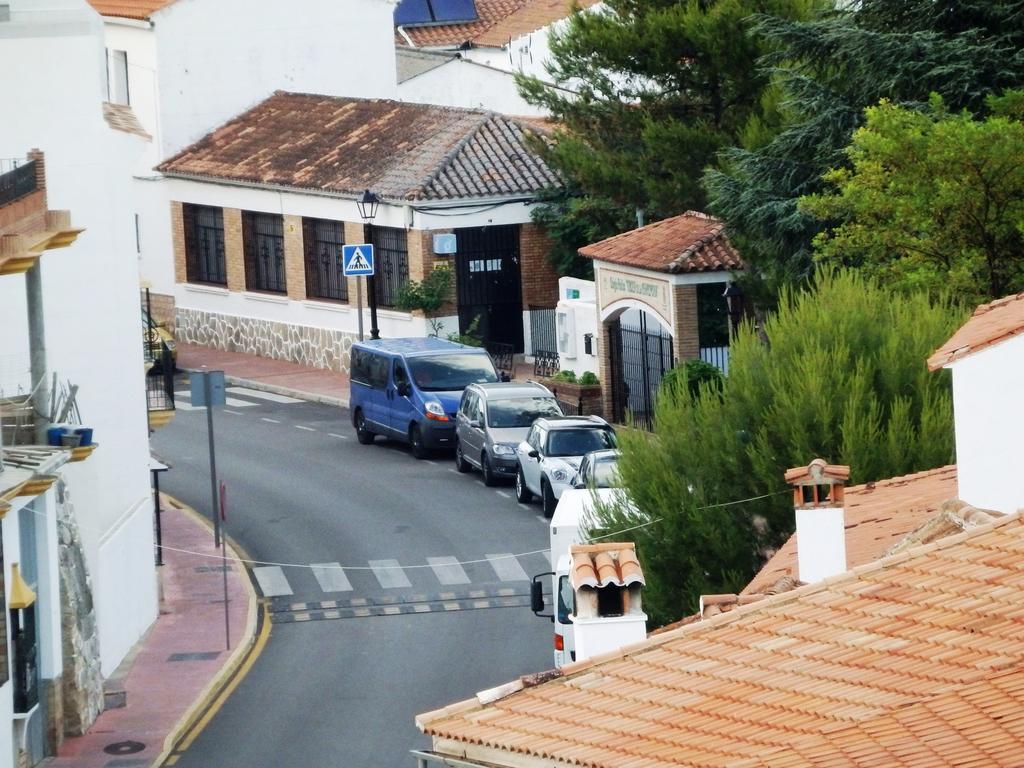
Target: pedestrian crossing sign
[[357, 259]]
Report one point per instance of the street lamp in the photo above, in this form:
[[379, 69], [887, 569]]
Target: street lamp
[[734, 301], [367, 205]]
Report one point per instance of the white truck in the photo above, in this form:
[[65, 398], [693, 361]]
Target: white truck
[[573, 516]]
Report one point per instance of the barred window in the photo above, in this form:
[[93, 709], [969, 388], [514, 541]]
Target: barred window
[[263, 244], [391, 254], [204, 244], [322, 240]]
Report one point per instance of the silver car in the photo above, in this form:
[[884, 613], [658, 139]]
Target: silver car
[[492, 420]]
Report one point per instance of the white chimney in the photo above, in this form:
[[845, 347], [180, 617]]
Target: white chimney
[[608, 614], [820, 519]]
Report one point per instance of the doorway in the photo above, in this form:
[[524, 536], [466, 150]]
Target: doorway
[[490, 285]]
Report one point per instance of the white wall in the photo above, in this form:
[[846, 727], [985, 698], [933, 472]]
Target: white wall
[[91, 288], [464, 83], [989, 415], [574, 319], [220, 57]]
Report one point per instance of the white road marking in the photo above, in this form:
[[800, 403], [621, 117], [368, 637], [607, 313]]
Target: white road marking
[[340, 437], [261, 395], [185, 405], [272, 580], [308, 429], [331, 577], [506, 494], [272, 421], [389, 573], [233, 413], [448, 570], [453, 470], [234, 402], [507, 567]]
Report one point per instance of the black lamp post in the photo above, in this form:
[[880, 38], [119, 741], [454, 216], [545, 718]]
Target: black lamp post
[[734, 301], [367, 206]]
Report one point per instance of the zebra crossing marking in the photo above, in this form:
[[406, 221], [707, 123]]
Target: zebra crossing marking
[[272, 580], [447, 570], [184, 405], [389, 574], [261, 395], [506, 566], [331, 577], [234, 402]]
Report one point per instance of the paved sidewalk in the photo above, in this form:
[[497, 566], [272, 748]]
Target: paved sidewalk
[[181, 665], [269, 375]]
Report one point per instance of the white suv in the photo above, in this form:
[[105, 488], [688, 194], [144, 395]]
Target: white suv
[[550, 456]]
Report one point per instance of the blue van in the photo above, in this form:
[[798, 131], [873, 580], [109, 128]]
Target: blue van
[[409, 389]]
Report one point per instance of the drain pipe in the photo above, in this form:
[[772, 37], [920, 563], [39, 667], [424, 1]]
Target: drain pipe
[[37, 350]]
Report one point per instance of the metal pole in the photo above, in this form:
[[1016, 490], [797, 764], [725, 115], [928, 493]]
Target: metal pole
[[224, 562], [359, 304], [371, 285], [208, 389], [159, 527], [37, 350]]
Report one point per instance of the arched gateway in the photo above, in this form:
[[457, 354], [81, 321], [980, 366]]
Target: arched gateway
[[659, 301]]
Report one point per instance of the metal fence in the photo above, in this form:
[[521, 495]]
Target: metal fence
[[17, 179], [639, 359], [717, 356], [160, 383], [545, 363], [542, 330], [503, 356]]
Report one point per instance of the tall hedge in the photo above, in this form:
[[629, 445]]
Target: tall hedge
[[837, 372]]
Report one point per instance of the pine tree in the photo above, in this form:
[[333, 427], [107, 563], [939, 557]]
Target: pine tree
[[840, 375], [830, 69]]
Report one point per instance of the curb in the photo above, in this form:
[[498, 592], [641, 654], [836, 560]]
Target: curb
[[262, 386], [255, 624]]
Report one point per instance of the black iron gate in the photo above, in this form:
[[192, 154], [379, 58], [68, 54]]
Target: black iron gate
[[640, 357], [487, 273]]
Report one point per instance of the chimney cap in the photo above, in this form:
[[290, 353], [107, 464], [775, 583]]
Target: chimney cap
[[818, 472]]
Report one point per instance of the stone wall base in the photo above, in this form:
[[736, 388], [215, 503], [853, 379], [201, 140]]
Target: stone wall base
[[315, 347]]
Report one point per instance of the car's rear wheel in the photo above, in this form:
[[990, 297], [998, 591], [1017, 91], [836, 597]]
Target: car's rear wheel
[[548, 498], [490, 479], [460, 460], [363, 435], [523, 495], [419, 450]]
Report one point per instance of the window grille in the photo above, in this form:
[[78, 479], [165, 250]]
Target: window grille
[[322, 241], [391, 253], [204, 244], [263, 243]]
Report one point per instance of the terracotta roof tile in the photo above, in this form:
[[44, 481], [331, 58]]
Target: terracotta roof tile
[[344, 145], [120, 117], [690, 242], [497, 22], [129, 9], [878, 515], [915, 660], [601, 565], [990, 324]]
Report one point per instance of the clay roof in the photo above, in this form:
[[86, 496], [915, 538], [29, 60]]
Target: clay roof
[[129, 9], [120, 117], [927, 645], [498, 22], [345, 145], [601, 565], [691, 242], [819, 472], [990, 324], [878, 515]]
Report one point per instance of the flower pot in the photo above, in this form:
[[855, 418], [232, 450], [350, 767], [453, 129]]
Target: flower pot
[[85, 433], [70, 440]]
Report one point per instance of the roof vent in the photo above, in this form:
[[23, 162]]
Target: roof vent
[[607, 581], [820, 519]]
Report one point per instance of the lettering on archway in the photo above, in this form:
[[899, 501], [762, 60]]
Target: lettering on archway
[[615, 286]]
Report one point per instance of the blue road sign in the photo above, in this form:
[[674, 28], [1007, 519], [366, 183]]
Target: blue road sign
[[357, 259], [197, 382]]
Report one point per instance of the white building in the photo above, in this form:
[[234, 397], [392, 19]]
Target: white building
[[90, 310]]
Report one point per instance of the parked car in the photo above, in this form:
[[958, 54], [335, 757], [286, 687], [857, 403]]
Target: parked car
[[409, 389], [550, 456], [492, 420], [599, 469]]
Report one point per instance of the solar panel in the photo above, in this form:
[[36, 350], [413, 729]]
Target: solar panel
[[413, 12], [450, 11]]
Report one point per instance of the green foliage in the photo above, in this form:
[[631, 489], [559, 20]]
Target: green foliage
[[471, 336], [692, 377], [567, 376], [429, 295], [589, 379], [645, 93], [930, 200], [830, 69], [841, 376]]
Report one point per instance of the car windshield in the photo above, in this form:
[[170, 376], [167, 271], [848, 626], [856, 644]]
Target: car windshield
[[604, 473], [520, 411], [576, 442], [449, 373]]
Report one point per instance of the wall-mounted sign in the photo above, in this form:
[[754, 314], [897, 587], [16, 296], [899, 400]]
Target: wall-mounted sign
[[572, 293], [444, 244], [615, 286]]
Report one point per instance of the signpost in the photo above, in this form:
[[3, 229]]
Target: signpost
[[224, 560], [208, 390], [357, 261]]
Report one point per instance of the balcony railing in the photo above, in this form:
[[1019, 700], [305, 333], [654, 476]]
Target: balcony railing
[[17, 179]]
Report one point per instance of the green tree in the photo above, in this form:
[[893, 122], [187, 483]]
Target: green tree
[[841, 375], [830, 69], [645, 93], [930, 200]]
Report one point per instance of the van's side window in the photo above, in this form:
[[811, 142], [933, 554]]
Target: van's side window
[[401, 376], [378, 365], [359, 367]]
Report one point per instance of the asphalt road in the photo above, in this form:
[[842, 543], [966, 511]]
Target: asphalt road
[[348, 535]]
